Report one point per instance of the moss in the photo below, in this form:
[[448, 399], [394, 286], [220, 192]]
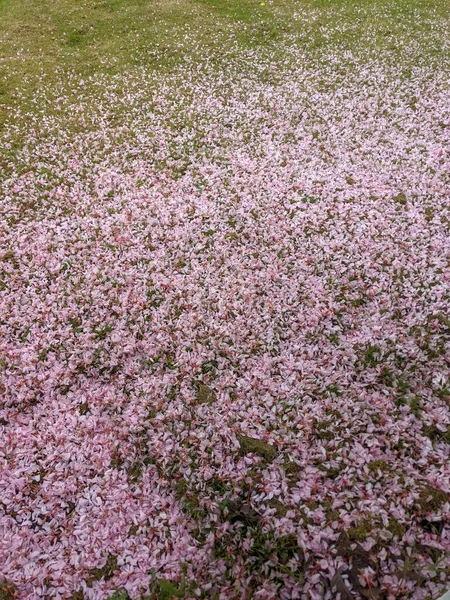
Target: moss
[[219, 485], [251, 445], [372, 356], [209, 367], [7, 591], [189, 501], [101, 331], [361, 530], [116, 460], [396, 528], [401, 199], [181, 487], [168, 589], [106, 572], [415, 405], [332, 514], [378, 465], [336, 390], [291, 468], [443, 319], [205, 395], [280, 508], [83, 408], [429, 213], [436, 435], [405, 399], [322, 431], [120, 595], [334, 338], [387, 377], [266, 553], [8, 256], [134, 472], [286, 548], [192, 508], [333, 472], [432, 499]]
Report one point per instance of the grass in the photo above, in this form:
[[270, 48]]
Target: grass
[[46, 47], [106, 36], [42, 44], [260, 447]]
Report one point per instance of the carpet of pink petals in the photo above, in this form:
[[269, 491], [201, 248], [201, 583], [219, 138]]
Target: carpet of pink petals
[[281, 237]]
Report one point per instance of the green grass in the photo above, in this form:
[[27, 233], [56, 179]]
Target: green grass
[[47, 48], [53, 42], [42, 43]]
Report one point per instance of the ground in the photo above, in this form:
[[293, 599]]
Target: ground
[[224, 299]]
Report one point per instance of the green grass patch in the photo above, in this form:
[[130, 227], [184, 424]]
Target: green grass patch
[[42, 44]]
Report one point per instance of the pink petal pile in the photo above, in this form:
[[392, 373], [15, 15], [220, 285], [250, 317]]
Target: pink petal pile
[[282, 241]]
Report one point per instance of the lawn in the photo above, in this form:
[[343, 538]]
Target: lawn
[[224, 299]]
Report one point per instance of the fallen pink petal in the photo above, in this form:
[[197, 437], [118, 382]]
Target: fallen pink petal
[[225, 314]]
